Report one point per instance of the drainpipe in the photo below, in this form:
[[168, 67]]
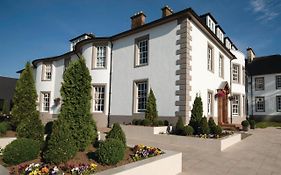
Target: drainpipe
[[230, 91], [110, 83]]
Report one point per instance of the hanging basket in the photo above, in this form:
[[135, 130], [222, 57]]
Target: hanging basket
[[220, 94]]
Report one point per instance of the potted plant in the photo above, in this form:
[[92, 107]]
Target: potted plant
[[245, 125], [252, 124]]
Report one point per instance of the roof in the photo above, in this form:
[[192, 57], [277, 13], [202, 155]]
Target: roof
[[53, 58], [188, 12], [7, 87], [264, 65], [88, 34]]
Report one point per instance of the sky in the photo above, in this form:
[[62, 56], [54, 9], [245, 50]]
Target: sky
[[32, 29]]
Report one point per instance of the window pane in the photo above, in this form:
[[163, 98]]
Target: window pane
[[101, 56], [48, 72], [259, 83], [46, 101], [278, 82], [235, 105], [99, 96], [260, 105], [235, 73], [209, 103], [210, 58], [143, 52], [141, 96], [278, 103]]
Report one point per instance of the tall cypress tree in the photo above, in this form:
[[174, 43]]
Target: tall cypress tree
[[196, 114], [151, 107], [24, 114]]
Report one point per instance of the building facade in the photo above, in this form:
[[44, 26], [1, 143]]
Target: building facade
[[7, 89], [179, 56], [264, 87]]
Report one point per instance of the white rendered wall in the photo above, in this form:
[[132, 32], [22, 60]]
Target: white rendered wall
[[269, 93], [99, 76], [160, 72], [203, 79]]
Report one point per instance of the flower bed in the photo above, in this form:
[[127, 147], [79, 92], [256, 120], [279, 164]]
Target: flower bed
[[84, 163]]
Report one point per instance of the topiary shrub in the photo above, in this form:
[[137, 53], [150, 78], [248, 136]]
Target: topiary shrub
[[188, 130], [60, 146], [146, 122], [151, 107], [204, 127], [155, 123], [217, 131], [212, 125], [166, 123], [139, 122], [196, 114], [245, 125], [134, 121], [21, 150], [4, 127], [117, 133], [110, 152], [179, 126], [252, 124]]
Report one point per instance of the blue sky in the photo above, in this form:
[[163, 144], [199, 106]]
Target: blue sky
[[31, 29]]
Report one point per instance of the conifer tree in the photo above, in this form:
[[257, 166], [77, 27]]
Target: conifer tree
[[196, 114], [24, 114], [151, 107]]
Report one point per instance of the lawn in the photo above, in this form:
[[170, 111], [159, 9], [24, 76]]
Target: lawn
[[268, 124]]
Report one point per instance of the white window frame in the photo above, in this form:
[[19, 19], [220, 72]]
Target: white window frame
[[47, 72], [278, 81], [210, 103], [140, 95], [260, 104], [100, 57], [259, 83], [278, 103], [236, 105], [221, 66], [99, 98], [142, 51], [210, 58], [46, 101], [235, 73]]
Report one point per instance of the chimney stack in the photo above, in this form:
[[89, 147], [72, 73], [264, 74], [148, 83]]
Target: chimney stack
[[166, 11], [250, 55], [138, 20]]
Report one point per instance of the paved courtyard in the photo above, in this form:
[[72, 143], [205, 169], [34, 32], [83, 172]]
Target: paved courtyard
[[258, 154]]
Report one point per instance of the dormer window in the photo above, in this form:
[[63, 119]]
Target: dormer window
[[211, 24]]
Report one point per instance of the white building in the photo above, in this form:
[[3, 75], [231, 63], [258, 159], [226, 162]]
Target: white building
[[264, 86], [179, 56]]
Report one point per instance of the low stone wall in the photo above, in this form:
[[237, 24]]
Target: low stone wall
[[6, 140], [142, 131], [168, 163], [229, 141]]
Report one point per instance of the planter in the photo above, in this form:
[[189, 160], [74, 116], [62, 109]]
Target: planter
[[133, 131], [168, 163]]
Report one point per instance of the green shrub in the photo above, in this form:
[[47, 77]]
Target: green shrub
[[155, 123], [48, 127], [245, 123], [110, 152], [196, 114], [117, 133], [21, 150], [139, 122], [217, 131], [134, 121], [179, 126], [31, 128], [188, 130], [252, 124], [160, 123], [151, 107], [146, 122], [204, 127], [212, 125], [166, 123], [3, 127], [60, 147]]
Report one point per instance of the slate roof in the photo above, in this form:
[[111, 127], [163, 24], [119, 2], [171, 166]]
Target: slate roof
[[264, 65]]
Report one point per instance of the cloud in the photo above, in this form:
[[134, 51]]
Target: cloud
[[266, 10]]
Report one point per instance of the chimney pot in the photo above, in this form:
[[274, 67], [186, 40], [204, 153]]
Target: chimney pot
[[138, 19], [250, 54], [166, 11]]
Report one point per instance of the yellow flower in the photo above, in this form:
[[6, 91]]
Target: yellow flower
[[93, 167]]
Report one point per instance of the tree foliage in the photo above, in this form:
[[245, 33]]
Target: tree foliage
[[151, 107], [25, 97], [196, 114], [6, 108]]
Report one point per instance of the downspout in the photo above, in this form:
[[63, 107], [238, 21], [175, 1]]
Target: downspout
[[110, 83], [231, 91]]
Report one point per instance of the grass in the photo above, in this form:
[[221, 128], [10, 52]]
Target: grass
[[268, 124]]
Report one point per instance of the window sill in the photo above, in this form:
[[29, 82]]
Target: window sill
[[141, 65], [99, 68], [46, 80]]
